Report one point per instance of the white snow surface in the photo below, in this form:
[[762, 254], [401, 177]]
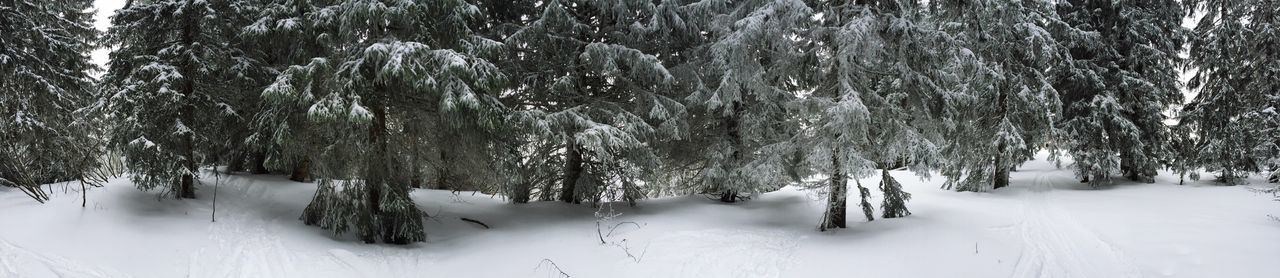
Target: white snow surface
[[1045, 225]]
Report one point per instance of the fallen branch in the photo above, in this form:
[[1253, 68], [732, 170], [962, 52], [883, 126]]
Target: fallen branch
[[486, 226]]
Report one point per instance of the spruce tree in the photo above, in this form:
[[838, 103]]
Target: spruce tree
[[1235, 51], [1121, 79], [739, 107], [879, 99], [284, 33], [1007, 107], [167, 88], [588, 89], [47, 134], [392, 63]]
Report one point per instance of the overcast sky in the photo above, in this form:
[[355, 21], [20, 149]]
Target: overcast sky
[[103, 20]]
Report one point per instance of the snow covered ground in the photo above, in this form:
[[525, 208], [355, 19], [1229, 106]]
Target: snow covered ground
[[1045, 225]]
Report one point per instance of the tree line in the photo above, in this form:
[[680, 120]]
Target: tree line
[[589, 101]]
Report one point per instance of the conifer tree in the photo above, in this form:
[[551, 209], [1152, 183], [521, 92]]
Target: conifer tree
[[47, 133], [1121, 79], [285, 33], [587, 88], [739, 105], [878, 103], [167, 88], [1235, 51], [1009, 105], [391, 63]]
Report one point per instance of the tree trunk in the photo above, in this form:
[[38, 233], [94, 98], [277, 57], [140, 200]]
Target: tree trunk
[[442, 171], [301, 171], [1001, 178], [260, 163], [837, 198], [572, 172], [376, 173], [1001, 175], [520, 192], [729, 196], [186, 185], [237, 163], [735, 139]]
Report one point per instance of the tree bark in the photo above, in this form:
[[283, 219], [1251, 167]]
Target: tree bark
[[837, 203], [301, 171], [376, 176], [260, 163], [237, 163], [735, 138], [1001, 175], [186, 184], [572, 172], [1001, 178], [442, 171]]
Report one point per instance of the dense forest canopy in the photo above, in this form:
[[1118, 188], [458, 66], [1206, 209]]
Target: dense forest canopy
[[596, 101]]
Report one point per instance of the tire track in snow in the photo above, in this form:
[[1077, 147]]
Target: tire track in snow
[[1056, 245]]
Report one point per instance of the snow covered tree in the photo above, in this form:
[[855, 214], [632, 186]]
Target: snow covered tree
[[1183, 161], [585, 89], [738, 108], [1121, 79], [1009, 105], [46, 134], [284, 34], [878, 102], [393, 63], [167, 88], [1236, 52]]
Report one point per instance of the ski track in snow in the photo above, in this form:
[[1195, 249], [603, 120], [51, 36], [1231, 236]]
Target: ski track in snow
[[723, 253], [243, 246], [1056, 245], [16, 261]]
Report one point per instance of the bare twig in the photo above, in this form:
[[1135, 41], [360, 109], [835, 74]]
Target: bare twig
[[554, 266], [213, 216], [615, 227]]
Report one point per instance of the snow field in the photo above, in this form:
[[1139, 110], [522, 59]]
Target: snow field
[[1045, 225]]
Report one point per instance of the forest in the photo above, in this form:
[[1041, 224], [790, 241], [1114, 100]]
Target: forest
[[594, 102]]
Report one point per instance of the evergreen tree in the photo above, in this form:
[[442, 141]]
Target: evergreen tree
[[1120, 81], [1184, 153], [879, 99], [167, 88], [752, 73], [678, 33], [587, 88], [1009, 105], [392, 63], [1236, 53], [284, 34], [46, 134]]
